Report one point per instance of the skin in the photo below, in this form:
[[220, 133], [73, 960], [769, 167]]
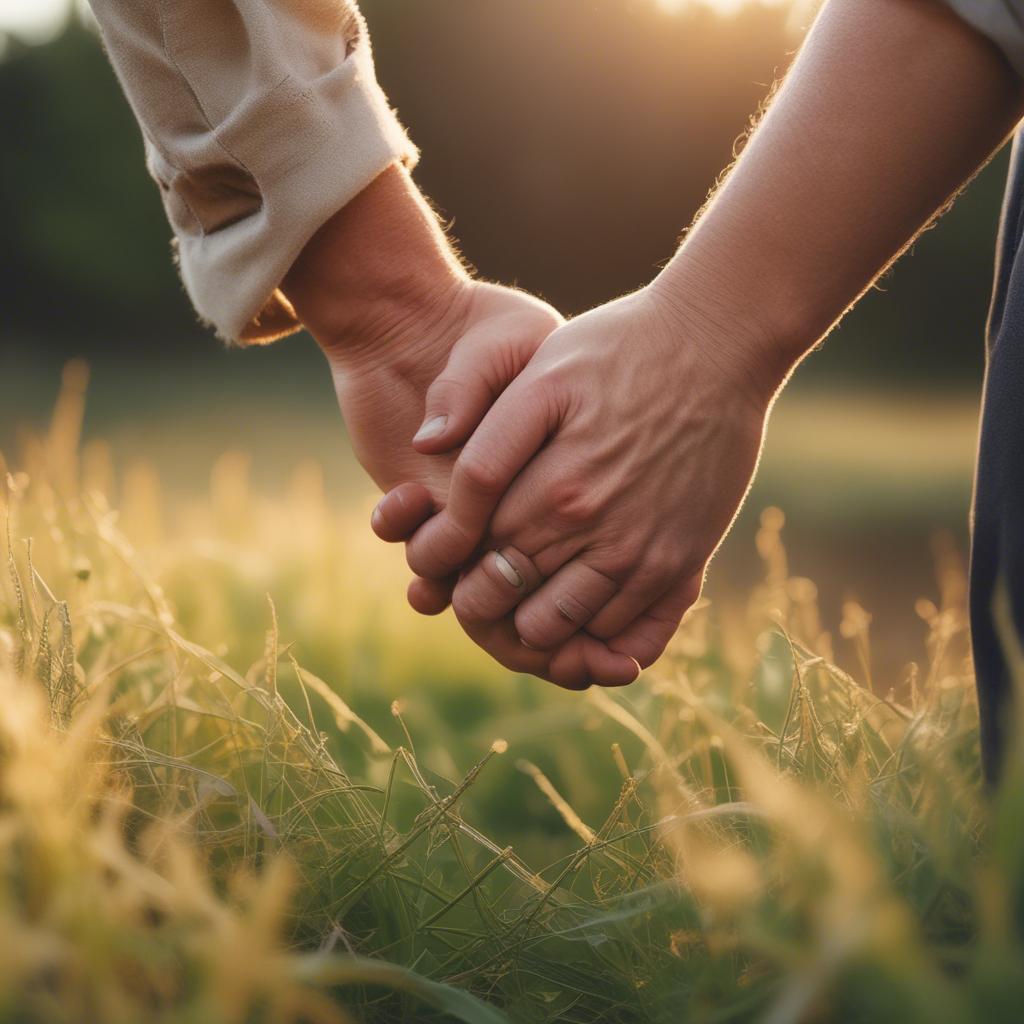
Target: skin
[[610, 469], [393, 310], [579, 514]]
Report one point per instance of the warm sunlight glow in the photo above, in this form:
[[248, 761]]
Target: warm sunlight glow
[[37, 21], [723, 7], [33, 20]]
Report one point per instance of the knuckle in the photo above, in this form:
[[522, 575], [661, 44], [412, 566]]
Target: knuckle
[[467, 606], [649, 577], [429, 561], [621, 563], [668, 562], [478, 473], [533, 629], [669, 553], [443, 388], [656, 575], [507, 529], [555, 377], [441, 553], [572, 501], [453, 385]]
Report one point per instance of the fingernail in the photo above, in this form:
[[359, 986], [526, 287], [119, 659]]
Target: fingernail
[[525, 644], [434, 427], [376, 517]]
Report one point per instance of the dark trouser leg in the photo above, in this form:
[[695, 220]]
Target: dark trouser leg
[[997, 552], [997, 557]]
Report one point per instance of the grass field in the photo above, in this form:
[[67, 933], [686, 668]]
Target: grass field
[[239, 781]]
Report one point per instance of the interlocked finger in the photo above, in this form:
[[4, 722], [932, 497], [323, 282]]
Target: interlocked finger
[[430, 597], [646, 638], [638, 593], [516, 426], [563, 605], [495, 585], [582, 662], [401, 512]]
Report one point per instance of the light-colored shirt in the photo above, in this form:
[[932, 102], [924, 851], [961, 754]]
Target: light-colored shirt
[[1001, 20], [261, 119]]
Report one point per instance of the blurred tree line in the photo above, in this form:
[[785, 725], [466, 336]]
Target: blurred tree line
[[568, 143]]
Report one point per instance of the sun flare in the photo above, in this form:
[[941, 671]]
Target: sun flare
[[728, 8], [39, 20]]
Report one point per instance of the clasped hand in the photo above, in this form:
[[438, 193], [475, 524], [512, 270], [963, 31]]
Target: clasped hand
[[587, 500]]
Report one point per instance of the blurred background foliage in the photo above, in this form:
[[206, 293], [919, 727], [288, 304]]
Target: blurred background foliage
[[568, 144]]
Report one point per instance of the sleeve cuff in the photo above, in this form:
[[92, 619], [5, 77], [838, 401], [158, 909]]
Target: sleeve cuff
[[322, 143], [1002, 21]]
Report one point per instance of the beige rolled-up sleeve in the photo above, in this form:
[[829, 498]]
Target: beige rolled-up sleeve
[[261, 119], [1001, 20]]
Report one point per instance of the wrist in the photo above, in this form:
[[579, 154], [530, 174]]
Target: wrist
[[378, 267], [742, 339]]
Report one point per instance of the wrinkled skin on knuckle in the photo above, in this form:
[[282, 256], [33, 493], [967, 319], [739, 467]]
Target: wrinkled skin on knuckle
[[446, 391], [666, 564], [475, 469], [532, 628], [621, 563], [520, 520], [557, 383], [436, 555], [573, 500], [467, 607], [553, 373], [625, 545], [674, 555], [506, 529]]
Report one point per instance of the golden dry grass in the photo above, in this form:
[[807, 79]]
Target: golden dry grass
[[194, 826]]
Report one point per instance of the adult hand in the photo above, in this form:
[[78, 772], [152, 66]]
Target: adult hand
[[608, 472], [392, 309], [654, 430], [394, 312], [472, 338]]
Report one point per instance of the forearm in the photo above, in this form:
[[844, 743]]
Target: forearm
[[889, 108], [379, 263]]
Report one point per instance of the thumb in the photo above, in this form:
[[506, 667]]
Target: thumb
[[483, 362]]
